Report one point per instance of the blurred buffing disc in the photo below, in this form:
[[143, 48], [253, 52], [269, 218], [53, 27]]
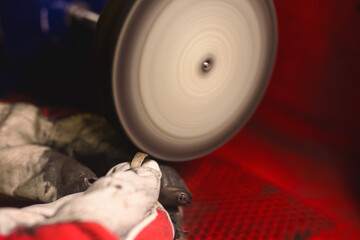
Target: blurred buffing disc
[[185, 75]]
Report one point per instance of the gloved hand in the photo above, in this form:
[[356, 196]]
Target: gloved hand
[[124, 202], [39, 157]]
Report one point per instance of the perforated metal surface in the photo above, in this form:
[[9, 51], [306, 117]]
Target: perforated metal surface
[[231, 203]]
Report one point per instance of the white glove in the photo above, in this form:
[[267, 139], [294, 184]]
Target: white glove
[[124, 202]]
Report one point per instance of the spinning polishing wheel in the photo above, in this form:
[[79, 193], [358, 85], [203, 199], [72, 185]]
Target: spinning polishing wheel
[[181, 76]]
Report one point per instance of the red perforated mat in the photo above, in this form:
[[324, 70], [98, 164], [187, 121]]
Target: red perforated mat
[[232, 203]]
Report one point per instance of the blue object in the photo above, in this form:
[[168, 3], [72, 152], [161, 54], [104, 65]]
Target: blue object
[[32, 30], [30, 26]]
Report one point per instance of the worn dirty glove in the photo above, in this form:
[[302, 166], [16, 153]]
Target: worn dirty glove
[[173, 195], [91, 140], [29, 169], [39, 157], [124, 202]]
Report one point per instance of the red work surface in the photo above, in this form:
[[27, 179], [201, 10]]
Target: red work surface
[[293, 172]]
